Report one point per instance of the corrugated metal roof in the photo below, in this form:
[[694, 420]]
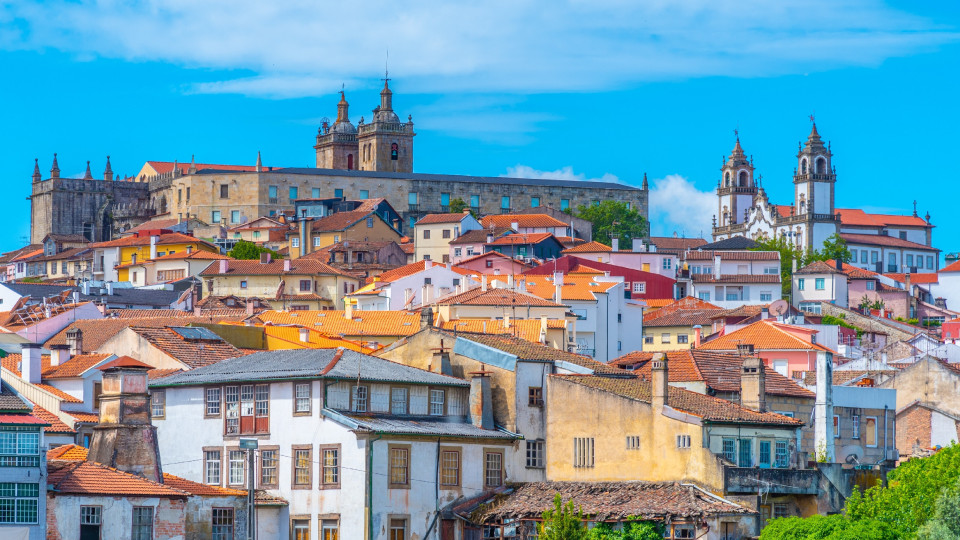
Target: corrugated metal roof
[[425, 425]]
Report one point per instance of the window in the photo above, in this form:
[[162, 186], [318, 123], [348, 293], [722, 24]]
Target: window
[[535, 453], [268, 467], [444, 199], [234, 216], [836, 426], [222, 524], [224, 191], [683, 441], [910, 260], [142, 523], [215, 216], [398, 400], [493, 469], [457, 252], [535, 396], [157, 403], [664, 338], [19, 502], [855, 425], [329, 529], [315, 193], [745, 457], [639, 287], [19, 447], [426, 234], [870, 431], [364, 194], [930, 262], [359, 398], [236, 462], [90, 521], [188, 194], [705, 296], [871, 285], [534, 202], [564, 204], [243, 284], [436, 402], [306, 285], [782, 454], [412, 198], [369, 222], [683, 338], [213, 402], [330, 467], [800, 283], [446, 233], [302, 470], [505, 202], [247, 409], [730, 450], [475, 201], [294, 193], [399, 467], [450, 467], [301, 529], [633, 442], [765, 454], [667, 264], [338, 193], [211, 467], [317, 241], [295, 242], [489, 263], [780, 510], [583, 452], [398, 529], [648, 340], [394, 151], [302, 399], [819, 283]]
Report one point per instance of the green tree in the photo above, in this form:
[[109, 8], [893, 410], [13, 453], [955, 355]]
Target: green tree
[[835, 527], [788, 254], [457, 205], [634, 530], [564, 522], [244, 250], [945, 524], [835, 248], [613, 218]]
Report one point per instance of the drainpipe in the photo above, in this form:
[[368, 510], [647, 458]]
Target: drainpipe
[[436, 485], [370, 486], [885, 426]]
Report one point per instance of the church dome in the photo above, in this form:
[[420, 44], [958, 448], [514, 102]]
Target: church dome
[[386, 117], [345, 128]]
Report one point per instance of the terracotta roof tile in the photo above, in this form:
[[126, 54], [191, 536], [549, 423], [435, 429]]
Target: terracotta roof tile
[[84, 416], [161, 373], [333, 322], [526, 350], [709, 408], [479, 236], [528, 329], [525, 221], [236, 312], [590, 247], [192, 353], [952, 267], [683, 317], [22, 419], [163, 167], [495, 297], [857, 217], [341, 220], [883, 240], [855, 272], [163, 239], [413, 268], [515, 239], [434, 219], [668, 306], [669, 243], [67, 452], [196, 488], [929, 277], [74, 367], [733, 255], [96, 332], [765, 335], [736, 278], [196, 255], [298, 267], [575, 287], [819, 267], [89, 478], [290, 335], [56, 425], [60, 394]]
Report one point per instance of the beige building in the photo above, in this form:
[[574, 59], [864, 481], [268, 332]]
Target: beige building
[[171, 267], [301, 284], [434, 232], [356, 226]]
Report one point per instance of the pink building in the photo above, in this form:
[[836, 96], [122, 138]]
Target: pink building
[[790, 350], [493, 263]]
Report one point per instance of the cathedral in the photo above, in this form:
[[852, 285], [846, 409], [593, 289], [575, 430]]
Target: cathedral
[[744, 210]]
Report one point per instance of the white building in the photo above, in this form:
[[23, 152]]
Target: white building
[[644, 257], [411, 286], [819, 282], [434, 232], [731, 278], [23, 468], [356, 444]]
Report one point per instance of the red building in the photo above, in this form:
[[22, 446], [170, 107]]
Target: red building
[[642, 285]]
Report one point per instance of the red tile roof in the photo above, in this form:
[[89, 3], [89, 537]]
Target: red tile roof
[[341, 220], [299, 267], [883, 240], [190, 353], [765, 335], [928, 277], [84, 416], [74, 367], [332, 322], [515, 239], [479, 236], [413, 268], [733, 255], [163, 167], [683, 317], [96, 332], [528, 329], [434, 219], [89, 478], [67, 452], [525, 221], [124, 362], [669, 243], [194, 255], [857, 217], [952, 267], [196, 488], [590, 247], [855, 272], [163, 239], [495, 297], [56, 425], [672, 306], [527, 350], [819, 267], [21, 419]]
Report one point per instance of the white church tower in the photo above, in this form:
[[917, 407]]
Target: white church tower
[[736, 188], [814, 185]]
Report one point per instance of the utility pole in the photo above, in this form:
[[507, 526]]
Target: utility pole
[[250, 445]]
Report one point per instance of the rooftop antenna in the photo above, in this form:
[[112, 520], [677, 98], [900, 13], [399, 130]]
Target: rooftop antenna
[[386, 67]]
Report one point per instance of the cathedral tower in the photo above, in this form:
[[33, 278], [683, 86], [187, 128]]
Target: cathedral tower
[[385, 143], [337, 147], [814, 184], [736, 188]]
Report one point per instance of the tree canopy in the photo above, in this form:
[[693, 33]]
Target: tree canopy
[[457, 205], [613, 218], [244, 250], [565, 522]]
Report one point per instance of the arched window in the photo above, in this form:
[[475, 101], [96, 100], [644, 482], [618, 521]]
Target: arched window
[[743, 178], [821, 166], [394, 151], [727, 180], [349, 162], [163, 205], [803, 166]]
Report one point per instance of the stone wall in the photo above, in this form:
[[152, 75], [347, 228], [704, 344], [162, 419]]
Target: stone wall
[[86, 207]]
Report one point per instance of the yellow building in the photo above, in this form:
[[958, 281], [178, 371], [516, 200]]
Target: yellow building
[[677, 330], [434, 232], [302, 284], [170, 267], [359, 225], [111, 259]]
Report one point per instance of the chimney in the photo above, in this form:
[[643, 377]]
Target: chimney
[[745, 349], [441, 359], [304, 232], [264, 258], [427, 263], [661, 383], [348, 309], [249, 307], [59, 354], [426, 296], [753, 384], [506, 320], [304, 335], [125, 439], [764, 313], [426, 317], [197, 311], [224, 265], [558, 287], [616, 244], [697, 336], [481, 402], [30, 366], [839, 264], [510, 280], [153, 247], [543, 329], [286, 265], [75, 341], [109, 285], [716, 267], [85, 288], [489, 238], [794, 265], [483, 282], [823, 407]]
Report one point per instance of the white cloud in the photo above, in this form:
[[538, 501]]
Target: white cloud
[[305, 47], [676, 205], [565, 173]]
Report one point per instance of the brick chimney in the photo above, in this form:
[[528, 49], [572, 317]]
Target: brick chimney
[[30, 364], [426, 317], [481, 401], [697, 336], [59, 354], [753, 384], [224, 266], [661, 383], [75, 341], [125, 439]]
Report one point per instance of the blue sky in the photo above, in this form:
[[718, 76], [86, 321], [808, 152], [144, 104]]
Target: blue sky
[[581, 89]]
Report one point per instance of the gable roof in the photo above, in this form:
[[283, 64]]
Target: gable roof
[[522, 238], [370, 324], [96, 332], [341, 220], [528, 329], [925, 277], [162, 239], [734, 255], [479, 236], [495, 297], [819, 267], [416, 267], [590, 247], [683, 317], [55, 425], [195, 255], [526, 221], [676, 244], [68, 452], [298, 267], [190, 353], [672, 306], [883, 240], [535, 352], [306, 364], [857, 217], [708, 408], [90, 478], [734, 243], [75, 367], [575, 286], [764, 335], [434, 219]]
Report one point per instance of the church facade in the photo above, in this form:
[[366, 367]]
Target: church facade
[[369, 160]]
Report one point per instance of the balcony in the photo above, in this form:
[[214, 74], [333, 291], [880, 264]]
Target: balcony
[[751, 480]]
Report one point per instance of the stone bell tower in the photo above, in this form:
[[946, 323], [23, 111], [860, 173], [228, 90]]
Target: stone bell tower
[[814, 183], [337, 145], [386, 144], [125, 439], [736, 189]]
